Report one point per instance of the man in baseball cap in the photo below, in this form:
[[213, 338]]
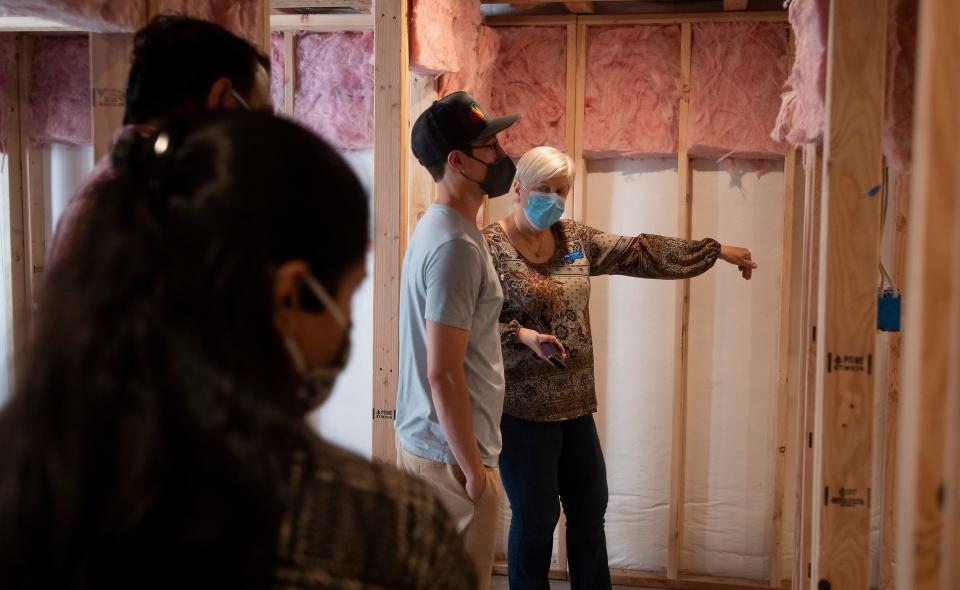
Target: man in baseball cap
[[451, 388]]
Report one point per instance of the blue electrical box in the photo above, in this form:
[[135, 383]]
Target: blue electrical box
[[888, 311]]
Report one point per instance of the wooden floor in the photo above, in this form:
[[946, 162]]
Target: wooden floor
[[500, 583]]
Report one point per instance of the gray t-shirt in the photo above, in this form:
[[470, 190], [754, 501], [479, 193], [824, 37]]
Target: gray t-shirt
[[448, 278]]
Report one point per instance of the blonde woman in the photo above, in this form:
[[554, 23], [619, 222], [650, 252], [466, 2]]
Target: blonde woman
[[551, 451]]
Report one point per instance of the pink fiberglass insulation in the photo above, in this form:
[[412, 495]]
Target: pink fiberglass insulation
[[530, 78], [901, 62], [736, 73], [8, 83], [802, 112], [98, 16], [632, 91], [276, 71], [478, 59], [334, 94], [435, 27], [241, 17], [59, 97]]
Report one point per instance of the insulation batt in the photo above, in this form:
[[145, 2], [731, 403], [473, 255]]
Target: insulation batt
[[59, 98], [736, 73], [276, 71], [8, 83], [901, 69], [632, 91], [530, 77], [241, 17], [98, 16], [435, 27], [801, 117], [334, 94], [478, 59]]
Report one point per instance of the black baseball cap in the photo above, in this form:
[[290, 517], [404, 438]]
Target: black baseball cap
[[452, 123]]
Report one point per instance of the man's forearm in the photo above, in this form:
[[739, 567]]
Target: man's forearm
[[451, 397]]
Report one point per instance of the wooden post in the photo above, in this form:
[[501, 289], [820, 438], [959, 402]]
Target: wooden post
[[422, 190], [578, 210], [289, 73], [853, 176], [783, 371], [109, 69], [13, 226], [681, 345], [885, 579], [931, 307], [391, 149], [31, 193]]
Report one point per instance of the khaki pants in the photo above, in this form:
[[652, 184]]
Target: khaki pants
[[477, 523]]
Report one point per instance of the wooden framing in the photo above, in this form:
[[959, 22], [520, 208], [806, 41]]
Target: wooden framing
[[930, 344], [17, 310], [853, 177], [359, 5], [887, 549], [322, 23], [681, 332], [391, 149], [289, 73], [634, 19], [108, 83]]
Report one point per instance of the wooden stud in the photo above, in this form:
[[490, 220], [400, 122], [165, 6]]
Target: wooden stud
[[850, 242], [570, 121], [578, 209], [950, 566], [108, 81], [13, 226], [421, 189], [34, 204], [322, 23], [359, 5], [289, 73], [545, 20], [809, 292], [391, 148], [931, 307], [29, 24], [681, 344], [783, 370], [887, 550]]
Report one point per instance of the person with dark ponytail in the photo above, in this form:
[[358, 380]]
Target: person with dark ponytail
[[157, 437]]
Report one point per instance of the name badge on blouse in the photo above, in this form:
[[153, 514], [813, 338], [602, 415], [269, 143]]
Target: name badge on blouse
[[574, 256]]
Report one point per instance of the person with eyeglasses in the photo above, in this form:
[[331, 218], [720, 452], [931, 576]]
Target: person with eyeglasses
[[450, 390], [180, 66]]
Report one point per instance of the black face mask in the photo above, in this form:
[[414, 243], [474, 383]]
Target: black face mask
[[499, 176]]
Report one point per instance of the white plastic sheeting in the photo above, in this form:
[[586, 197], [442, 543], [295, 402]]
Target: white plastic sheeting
[[345, 419]]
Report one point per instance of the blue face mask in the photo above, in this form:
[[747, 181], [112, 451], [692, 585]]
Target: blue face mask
[[543, 209]]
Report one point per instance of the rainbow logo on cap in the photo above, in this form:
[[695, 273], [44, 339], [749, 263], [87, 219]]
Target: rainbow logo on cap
[[476, 114]]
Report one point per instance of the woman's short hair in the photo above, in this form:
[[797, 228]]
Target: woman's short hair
[[543, 163]]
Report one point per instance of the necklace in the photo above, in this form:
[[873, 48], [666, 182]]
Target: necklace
[[543, 237]]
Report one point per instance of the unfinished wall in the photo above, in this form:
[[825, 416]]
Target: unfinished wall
[[736, 72], [59, 97], [277, 69], [241, 17], [632, 91], [8, 84], [100, 16], [901, 70], [530, 77], [801, 116]]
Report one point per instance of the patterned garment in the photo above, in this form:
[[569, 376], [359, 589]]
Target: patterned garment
[[363, 526], [553, 298]]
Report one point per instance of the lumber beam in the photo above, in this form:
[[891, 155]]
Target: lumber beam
[[421, 189], [391, 149], [289, 73], [358, 5], [578, 209], [547, 20], [322, 23], [930, 339], [29, 24], [108, 83], [681, 333], [887, 550], [13, 227], [850, 252]]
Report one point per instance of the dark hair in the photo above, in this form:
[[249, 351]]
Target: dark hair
[[177, 59], [437, 169], [148, 444]]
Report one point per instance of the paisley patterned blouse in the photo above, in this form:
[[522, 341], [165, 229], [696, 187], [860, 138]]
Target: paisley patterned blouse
[[553, 298]]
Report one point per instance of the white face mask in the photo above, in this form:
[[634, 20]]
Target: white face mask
[[317, 383]]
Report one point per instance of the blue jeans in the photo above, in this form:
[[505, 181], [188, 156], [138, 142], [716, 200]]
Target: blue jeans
[[542, 465]]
